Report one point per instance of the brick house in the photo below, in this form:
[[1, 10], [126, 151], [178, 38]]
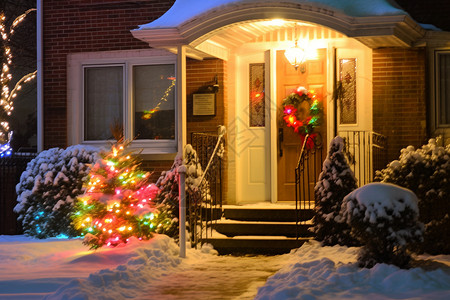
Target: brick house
[[114, 62]]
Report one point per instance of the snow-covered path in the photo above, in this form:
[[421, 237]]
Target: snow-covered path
[[64, 269], [211, 278]]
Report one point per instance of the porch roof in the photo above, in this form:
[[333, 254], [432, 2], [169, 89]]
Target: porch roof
[[376, 23]]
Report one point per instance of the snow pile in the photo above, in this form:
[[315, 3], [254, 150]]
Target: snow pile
[[426, 171], [149, 260], [48, 188], [64, 269], [384, 218], [335, 181], [316, 272]]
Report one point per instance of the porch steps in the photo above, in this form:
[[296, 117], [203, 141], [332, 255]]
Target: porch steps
[[248, 230]]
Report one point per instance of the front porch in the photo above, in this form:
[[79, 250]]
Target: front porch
[[242, 47], [265, 227]]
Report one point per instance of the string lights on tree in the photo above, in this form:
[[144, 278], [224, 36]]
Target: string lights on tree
[[118, 202], [8, 95]]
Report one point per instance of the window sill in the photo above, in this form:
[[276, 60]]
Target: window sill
[[148, 150]]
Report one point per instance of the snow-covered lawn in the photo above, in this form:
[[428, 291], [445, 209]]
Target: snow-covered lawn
[[65, 269]]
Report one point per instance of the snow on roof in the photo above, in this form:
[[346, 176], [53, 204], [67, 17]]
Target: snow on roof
[[185, 10]]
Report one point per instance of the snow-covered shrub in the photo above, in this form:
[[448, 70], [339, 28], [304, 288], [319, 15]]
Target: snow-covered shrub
[[48, 188], [167, 202], [384, 218], [426, 171], [335, 181]]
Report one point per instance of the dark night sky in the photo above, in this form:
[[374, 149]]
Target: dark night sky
[[436, 12]]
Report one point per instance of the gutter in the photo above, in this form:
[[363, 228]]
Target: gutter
[[40, 77]]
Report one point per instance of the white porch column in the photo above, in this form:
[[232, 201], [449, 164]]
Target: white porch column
[[181, 97]]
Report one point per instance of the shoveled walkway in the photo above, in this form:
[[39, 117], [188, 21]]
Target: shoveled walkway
[[217, 277]]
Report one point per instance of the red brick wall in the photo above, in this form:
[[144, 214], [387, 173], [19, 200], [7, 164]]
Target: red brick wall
[[399, 101], [84, 26], [199, 74]]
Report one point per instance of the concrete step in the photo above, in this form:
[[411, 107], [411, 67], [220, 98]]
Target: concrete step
[[236, 228], [268, 245], [266, 214]]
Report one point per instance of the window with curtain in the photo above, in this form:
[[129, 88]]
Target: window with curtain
[[103, 101]]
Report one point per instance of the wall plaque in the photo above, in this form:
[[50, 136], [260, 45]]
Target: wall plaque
[[204, 104]]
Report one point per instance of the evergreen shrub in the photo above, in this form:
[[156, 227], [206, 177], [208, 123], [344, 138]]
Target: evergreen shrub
[[48, 188], [426, 171], [384, 218], [335, 181]]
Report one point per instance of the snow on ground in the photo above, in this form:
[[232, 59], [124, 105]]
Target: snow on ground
[[65, 269], [316, 272]]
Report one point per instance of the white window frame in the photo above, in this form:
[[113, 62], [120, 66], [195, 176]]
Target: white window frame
[[78, 62]]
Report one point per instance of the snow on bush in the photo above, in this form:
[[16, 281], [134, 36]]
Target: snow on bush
[[335, 181], [384, 218], [167, 202], [48, 188], [426, 171]]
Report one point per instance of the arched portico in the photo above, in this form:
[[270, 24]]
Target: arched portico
[[248, 33]]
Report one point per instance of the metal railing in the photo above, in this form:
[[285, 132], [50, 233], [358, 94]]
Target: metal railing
[[11, 167], [205, 204], [309, 166], [366, 152]]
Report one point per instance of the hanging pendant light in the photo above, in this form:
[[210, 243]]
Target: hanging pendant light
[[295, 55]]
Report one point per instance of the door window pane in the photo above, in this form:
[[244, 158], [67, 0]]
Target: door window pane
[[444, 89], [154, 107], [103, 101]]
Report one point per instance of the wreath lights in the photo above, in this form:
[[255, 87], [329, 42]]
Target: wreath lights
[[290, 108]]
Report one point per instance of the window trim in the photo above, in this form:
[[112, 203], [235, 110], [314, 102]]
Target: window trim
[[77, 63], [436, 109], [83, 92]]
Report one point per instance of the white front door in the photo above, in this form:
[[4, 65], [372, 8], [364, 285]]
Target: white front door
[[252, 127]]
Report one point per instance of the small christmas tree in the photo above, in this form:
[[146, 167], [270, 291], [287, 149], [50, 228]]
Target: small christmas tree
[[118, 202], [335, 181], [167, 200]]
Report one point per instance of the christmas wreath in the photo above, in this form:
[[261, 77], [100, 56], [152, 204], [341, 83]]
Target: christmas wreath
[[290, 108]]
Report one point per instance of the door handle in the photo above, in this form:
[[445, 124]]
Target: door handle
[[280, 141]]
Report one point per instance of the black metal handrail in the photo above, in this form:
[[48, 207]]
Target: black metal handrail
[[307, 172], [366, 152], [205, 205]]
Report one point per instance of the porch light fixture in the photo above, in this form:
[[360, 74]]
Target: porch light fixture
[[296, 57]]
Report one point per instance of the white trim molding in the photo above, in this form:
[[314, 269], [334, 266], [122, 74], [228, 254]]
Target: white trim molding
[[160, 149]]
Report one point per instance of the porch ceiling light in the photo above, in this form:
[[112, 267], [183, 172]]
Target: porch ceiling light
[[296, 55]]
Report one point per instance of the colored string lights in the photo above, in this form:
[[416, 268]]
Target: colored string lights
[[118, 202]]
